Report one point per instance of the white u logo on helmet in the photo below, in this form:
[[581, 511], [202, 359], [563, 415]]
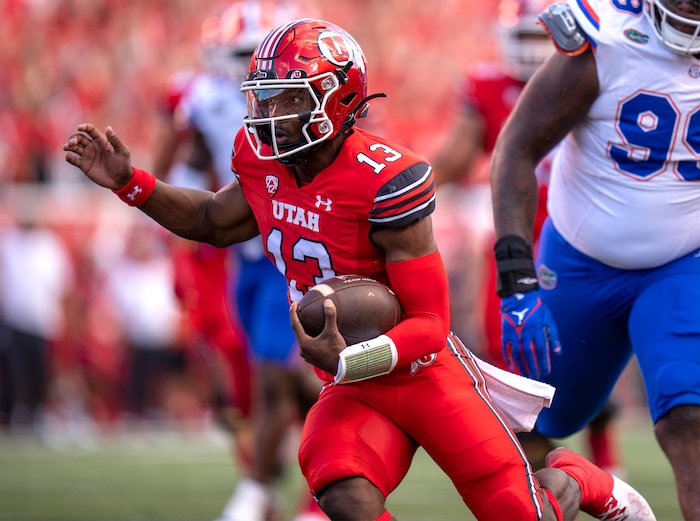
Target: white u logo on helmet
[[339, 49]]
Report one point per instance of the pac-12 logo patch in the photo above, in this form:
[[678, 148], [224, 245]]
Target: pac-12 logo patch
[[272, 183]]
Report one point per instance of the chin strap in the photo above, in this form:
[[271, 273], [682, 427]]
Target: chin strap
[[360, 111]]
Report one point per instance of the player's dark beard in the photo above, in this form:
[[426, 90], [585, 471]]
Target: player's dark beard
[[265, 133], [295, 159]]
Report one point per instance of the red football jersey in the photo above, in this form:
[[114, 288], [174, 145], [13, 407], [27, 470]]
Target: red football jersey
[[489, 91], [322, 229]]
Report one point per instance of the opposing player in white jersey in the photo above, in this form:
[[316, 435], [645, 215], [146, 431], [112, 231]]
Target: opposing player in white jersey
[[487, 95], [618, 264], [211, 110]]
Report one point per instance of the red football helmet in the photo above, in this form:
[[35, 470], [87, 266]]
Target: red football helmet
[[308, 70], [524, 43]]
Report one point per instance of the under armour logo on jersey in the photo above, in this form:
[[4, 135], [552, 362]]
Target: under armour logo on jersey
[[272, 183], [326, 204], [520, 315], [136, 191]]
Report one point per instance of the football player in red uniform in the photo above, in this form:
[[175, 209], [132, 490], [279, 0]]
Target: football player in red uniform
[[328, 198], [487, 96]]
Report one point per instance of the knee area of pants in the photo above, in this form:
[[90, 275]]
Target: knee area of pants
[[677, 383], [507, 503], [682, 420]]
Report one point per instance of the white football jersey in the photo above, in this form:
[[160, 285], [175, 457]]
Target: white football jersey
[[216, 107], [625, 186]]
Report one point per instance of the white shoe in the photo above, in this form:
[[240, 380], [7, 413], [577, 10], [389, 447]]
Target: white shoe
[[603, 496], [250, 502], [626, 503]]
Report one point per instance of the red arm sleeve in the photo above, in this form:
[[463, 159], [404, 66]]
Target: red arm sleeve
[[421, 286]]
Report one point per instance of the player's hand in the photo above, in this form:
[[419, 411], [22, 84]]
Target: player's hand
[[530, 336], [102, 157], [322, 351]]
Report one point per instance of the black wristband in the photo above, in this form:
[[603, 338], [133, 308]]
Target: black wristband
[[516, 266]]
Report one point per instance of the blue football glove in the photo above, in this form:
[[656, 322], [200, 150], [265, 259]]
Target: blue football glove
[[529, 334]]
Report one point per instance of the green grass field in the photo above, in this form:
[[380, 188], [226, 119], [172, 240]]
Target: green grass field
[[181, 478]]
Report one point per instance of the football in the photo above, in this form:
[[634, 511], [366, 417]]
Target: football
[[365, 307]]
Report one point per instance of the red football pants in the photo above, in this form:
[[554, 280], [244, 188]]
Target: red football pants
[[373, 428]]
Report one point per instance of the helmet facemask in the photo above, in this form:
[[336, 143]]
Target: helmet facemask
[[273, 102], [678, 30]]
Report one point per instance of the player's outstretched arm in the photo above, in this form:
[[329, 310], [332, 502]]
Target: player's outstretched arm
[[221, 218]]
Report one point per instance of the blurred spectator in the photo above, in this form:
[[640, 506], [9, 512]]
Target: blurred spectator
[[35, 280], [44, 93], [140, 287]]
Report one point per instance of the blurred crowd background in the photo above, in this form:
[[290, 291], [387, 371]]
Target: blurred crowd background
[[107, 61], [67, 248]]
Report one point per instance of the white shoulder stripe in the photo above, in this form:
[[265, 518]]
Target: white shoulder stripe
[[398, 217], [405, 189]]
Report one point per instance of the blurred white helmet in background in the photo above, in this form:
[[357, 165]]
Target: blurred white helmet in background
[[229, 37], [524, 43]]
